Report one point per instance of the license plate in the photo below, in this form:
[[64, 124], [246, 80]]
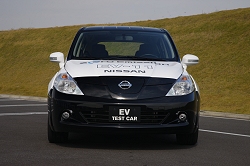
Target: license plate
[[124, 114]]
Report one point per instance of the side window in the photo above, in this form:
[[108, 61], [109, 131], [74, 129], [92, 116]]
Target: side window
[[78, 50], [169, 52]]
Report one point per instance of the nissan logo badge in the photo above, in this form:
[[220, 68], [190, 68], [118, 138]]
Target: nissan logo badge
[[125, 85]]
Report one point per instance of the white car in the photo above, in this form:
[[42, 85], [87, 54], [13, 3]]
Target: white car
[[123, 79]]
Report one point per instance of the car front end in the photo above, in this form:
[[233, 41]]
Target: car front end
[[144, 92]]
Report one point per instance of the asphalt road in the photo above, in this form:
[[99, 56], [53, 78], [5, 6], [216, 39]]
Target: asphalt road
[[23, 141]]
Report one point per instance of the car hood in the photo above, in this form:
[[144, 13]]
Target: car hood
[[95, 68]]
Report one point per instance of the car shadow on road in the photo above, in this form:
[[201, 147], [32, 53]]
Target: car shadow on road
[[124, 141]]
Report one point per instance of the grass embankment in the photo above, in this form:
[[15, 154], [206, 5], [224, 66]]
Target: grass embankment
[[221, 40]]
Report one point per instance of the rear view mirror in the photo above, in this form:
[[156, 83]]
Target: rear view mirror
[[189, 59], [124, 38], [57, 57]]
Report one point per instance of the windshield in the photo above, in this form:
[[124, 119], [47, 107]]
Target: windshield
[[123, 45]]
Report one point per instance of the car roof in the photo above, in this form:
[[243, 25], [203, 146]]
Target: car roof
[[122, 28]]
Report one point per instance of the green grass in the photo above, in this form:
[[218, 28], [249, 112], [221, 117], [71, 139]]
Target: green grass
[[221, 40]]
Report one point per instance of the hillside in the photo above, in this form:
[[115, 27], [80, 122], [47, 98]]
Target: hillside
[[221, 40]]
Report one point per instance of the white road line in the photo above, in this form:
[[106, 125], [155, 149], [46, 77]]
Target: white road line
[[230, 118], [9, 99], [23, 105], [219, 132], [23, 113]]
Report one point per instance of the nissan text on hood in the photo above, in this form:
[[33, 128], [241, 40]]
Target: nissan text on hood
[[123, 79]]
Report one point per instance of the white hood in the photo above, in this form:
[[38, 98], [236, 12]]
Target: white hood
[[90, 68]]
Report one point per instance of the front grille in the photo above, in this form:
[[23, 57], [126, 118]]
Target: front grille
[[107, 87]]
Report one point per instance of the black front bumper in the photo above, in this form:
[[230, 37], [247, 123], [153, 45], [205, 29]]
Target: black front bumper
[[89, 114]]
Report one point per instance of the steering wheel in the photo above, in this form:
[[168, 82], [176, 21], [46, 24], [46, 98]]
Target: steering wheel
[[149, 56]]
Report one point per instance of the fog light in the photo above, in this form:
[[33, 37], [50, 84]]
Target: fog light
[[182, 117], [66, 115]]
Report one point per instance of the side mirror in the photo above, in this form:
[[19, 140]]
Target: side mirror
[[57, 57], [189, 59]]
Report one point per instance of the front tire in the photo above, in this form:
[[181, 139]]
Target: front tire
[[56, 137], [188, 139]]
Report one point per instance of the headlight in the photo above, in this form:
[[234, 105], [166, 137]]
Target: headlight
[[183, 86], [65, 84]]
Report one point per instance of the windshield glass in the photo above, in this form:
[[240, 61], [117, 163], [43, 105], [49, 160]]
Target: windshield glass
[[123, 45]]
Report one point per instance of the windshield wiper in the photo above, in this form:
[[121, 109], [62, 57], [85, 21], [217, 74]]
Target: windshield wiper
[[149, 59], [86, 58]]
